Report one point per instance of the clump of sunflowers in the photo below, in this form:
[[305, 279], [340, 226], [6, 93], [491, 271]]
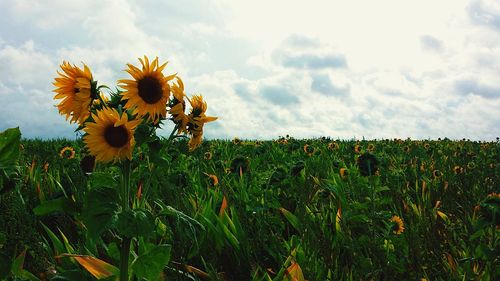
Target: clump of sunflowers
[[147, 99], [114, 122]]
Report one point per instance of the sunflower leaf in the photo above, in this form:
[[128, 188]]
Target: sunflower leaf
[[100, 209], [150, 265], [9, 149]]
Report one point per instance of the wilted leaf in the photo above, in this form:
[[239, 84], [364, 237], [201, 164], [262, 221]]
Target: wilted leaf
[[294, 273], [98, 268]]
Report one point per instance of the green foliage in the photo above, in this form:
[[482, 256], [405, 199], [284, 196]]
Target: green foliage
[[149, 265], [275, 206]]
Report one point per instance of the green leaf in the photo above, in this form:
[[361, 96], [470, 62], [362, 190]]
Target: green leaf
[[5, 265], [100, 209], [150, 265], [292, 219], [133, 223], [9, 149], [17, 264], [56, 242], [62, 204]]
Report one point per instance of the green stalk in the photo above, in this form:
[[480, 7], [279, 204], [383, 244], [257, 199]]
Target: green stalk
[[124, 254], [125, 247]]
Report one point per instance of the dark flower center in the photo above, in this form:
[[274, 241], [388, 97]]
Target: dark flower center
[[150, 89], [116, 136]]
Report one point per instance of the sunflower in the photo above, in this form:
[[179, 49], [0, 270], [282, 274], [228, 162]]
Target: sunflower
[[458, 170], [207, 155], [371, 147], [178, 106], [87, 164], [309, 150], [236, 141], [149, 91], [67, 152], [367, 164], [197, 119], [333, 145], [343, 173], [397, 225], [213, 180], [76, 89], [111, 137], [357, 148], [436, 174]]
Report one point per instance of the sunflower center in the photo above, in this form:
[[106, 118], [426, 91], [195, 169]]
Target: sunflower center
[[150, 89], [116, 136]]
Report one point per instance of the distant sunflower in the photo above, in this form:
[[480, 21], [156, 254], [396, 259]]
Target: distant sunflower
[[178, 106], [398, 225], [197, 119], [309, 150], [111, 137], [208, 155], [149, 91], [357, 148], [213, 180], [67, 152], [343, 173], [236, 141], [371, 147], [367, 164], [436, 174], [87, 164], [333, 146], [75, 89]]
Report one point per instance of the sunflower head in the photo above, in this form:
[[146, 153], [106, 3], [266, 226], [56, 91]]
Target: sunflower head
[[76, 90], [207, 155], [309, 150], [148, 92], [368, 164], [111, 136], [437, 174], [371, 147], [333, 146], [236, 141], [67, 152], [87, 164], [177, 106], [343, 173], [197, 119], [212, 179], [357, 148], [397, 225]]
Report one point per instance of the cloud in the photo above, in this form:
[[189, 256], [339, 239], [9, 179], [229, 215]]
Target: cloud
[[485, 13], [471, 86], [278, 95], [431, 43], [322, 83], [311, 61]]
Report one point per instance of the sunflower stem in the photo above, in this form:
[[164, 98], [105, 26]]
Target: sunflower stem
[[125, 194]]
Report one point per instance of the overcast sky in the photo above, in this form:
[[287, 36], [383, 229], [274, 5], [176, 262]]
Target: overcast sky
[[267, 68]]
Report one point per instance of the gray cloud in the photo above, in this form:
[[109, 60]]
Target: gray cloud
[[311, 61], [470, 86], [431, 43], [301, 41], [481, 12], [278, 95], [321, 83]]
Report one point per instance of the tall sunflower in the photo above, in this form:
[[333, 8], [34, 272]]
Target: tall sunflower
[[197, 119], [111, 137], [397, 225], [74, 87], [178, 106], [149, 91]]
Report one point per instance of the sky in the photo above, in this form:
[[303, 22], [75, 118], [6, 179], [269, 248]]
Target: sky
[[422, 69]]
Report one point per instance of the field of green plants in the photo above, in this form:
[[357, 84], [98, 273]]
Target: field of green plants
[[286, 209]]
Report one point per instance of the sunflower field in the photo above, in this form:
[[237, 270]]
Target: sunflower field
[[123, 203]]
